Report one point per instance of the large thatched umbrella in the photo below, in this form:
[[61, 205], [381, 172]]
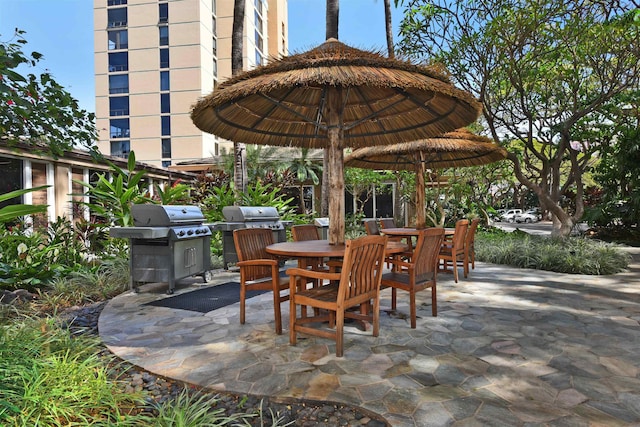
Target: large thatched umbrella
[[333, 97], [454, 149]]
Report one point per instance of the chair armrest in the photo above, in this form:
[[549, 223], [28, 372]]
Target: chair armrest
[[312, 274], [257, 262]]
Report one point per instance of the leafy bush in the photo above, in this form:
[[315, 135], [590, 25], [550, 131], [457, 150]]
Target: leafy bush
[[575, 255], [50, 379], [31, 259]]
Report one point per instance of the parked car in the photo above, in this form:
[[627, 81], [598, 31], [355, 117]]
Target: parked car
[[527, 217], [510, 215]]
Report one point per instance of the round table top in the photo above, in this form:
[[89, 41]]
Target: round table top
[[408, 231], [321, 248]]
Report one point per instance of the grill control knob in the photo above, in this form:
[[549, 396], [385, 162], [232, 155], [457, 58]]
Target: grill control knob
[[190, 232], [181, 233]]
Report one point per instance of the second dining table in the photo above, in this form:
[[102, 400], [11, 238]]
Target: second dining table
[[309, 249]]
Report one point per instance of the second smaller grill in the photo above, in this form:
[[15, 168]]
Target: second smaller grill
[[247, 217]]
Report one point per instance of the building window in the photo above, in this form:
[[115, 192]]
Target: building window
[[165, 122], [165, 103], [120, 148], [119, 106], [259, 42], [213, 25], [163, 12], [166, 163], [118, 39], [119, 128], [164, 80], [166, 147], [258, 5], [258, 57], [164, 35], [118, 62], [117, 17], [116, 2], [11, 179], [164, 58], [258, 22], [119, 83], [215, 67], [215, 47]]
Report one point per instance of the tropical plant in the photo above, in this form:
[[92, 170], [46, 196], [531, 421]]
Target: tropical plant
[[111, 197], [574, 255], [175, 194], [11, 212], [36, 110]]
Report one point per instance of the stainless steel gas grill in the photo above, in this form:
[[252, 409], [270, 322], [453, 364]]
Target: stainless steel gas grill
[[247, 217], [166, 243]]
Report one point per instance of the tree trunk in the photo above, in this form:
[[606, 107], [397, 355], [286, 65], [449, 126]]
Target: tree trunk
[[562, 221], [336, 167], [388, 27], [331, 32], [239, 149], [332, 19]]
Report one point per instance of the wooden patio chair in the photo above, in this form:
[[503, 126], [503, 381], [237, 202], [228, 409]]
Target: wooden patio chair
[[469, 242], [371, 227], [452, 251], [310, 232], [418, 274], [259, 270], [357, 285], [387, 223]]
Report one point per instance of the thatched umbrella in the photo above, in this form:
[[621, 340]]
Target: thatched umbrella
[[454, 149], [333, 97]]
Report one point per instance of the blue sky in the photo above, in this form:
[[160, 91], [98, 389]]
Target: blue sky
[[62, 30]]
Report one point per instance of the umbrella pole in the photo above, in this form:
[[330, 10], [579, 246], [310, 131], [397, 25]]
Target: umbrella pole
[[420, 203], [336, 167]]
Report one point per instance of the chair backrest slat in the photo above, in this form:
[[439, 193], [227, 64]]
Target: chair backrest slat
[[460, 233], [425, 254], [362, 267], [471, 231], [251, 244], [305, 232]]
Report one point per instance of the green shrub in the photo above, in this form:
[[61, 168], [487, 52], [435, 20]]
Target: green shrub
[[50, 379], [573, 255]]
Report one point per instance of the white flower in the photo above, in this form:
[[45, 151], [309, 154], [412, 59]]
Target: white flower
[[22, 248]]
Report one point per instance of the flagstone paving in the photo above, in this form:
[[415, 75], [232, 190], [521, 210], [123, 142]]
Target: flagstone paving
[[509, 347]]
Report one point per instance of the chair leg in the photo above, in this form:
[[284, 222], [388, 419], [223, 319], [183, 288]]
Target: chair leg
[[434, 301], [393, 298], [340, 332], [376, 316], [412, 307], [243, 293], [455, 270], [292, 322], [277, 312], [465, 265]]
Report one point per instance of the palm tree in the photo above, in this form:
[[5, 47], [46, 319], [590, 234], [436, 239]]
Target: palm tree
[[331, 33], [305, 170], [239, 150]]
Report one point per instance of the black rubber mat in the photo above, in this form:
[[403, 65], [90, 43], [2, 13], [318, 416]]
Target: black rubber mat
[[207, 299]]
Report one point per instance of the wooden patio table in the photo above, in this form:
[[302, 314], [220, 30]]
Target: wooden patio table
[[309, 249]]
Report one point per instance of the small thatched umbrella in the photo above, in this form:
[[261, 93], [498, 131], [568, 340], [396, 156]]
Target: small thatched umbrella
[[460, 148], [333, 97]]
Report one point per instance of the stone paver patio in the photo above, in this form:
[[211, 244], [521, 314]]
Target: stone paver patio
[[509, 347]]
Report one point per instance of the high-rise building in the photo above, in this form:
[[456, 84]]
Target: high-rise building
[[155, 58]]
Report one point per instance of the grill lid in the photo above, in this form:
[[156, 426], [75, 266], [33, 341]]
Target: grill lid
[[250, 213], [149, 215]]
